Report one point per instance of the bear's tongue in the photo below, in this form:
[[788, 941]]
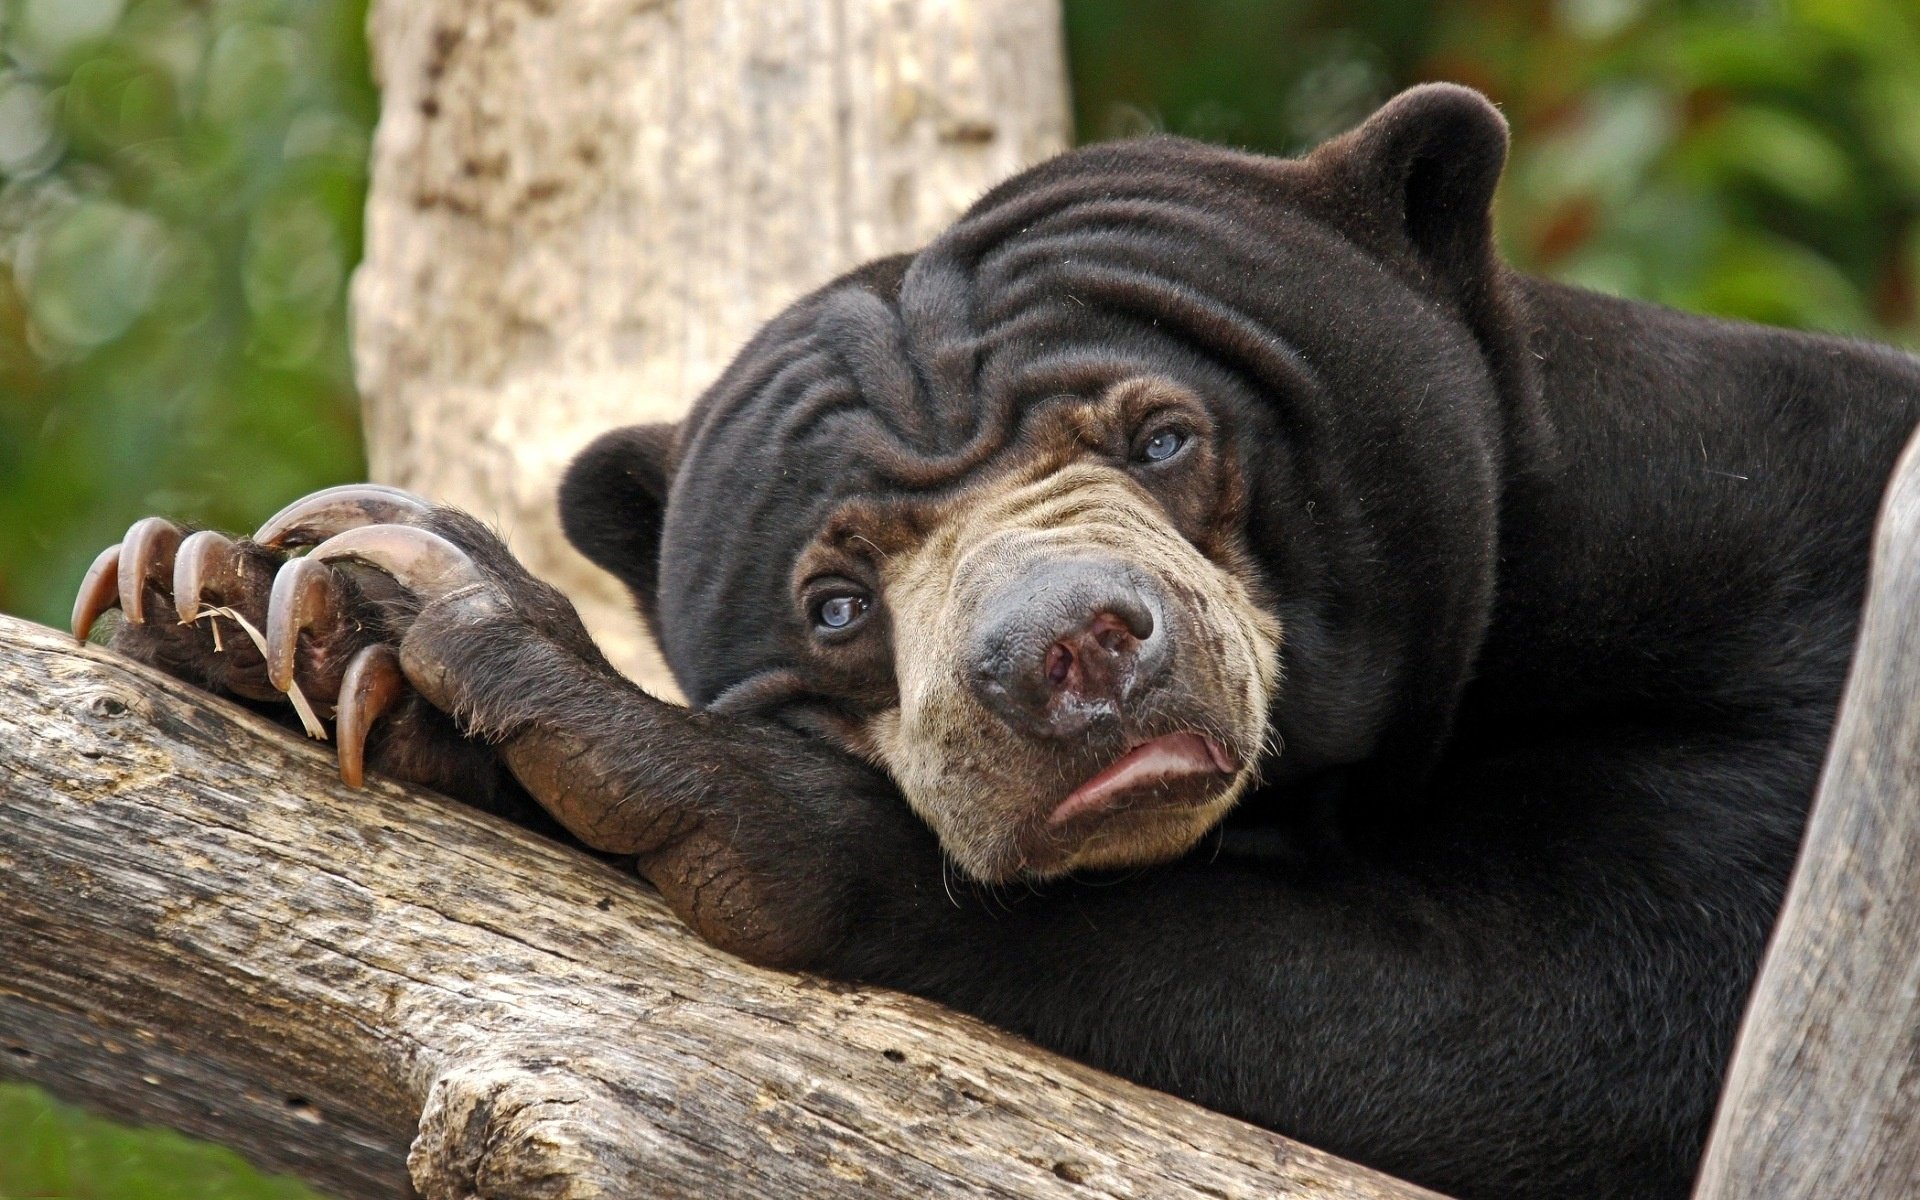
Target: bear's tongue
[[1162, 760]]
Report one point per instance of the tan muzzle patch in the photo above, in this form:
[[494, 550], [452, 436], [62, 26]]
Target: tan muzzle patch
[[1056, 638]]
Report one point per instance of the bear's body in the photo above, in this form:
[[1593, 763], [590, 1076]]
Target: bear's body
[[1539, 604]]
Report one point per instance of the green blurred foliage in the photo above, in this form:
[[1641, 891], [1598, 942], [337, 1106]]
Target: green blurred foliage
[[52, 1151], [180, 201], [181, 185]]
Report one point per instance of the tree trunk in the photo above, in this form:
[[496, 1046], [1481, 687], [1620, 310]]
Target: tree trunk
[[580, 211], [1823, 1099], [202, 927]]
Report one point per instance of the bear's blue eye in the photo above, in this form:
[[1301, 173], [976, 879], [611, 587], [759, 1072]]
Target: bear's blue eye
[[1162, 446], [838, 612]]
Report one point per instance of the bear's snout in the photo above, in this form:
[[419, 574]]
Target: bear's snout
[[1064, 646]]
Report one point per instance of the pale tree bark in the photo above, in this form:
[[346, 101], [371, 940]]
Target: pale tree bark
[[200, 926], [1823, 1098], [581, 210]]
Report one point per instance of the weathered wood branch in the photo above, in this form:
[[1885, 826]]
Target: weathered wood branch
[[1823, 1098], [200, 927]]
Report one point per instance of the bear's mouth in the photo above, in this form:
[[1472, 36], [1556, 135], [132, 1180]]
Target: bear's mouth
[[1170, 770]]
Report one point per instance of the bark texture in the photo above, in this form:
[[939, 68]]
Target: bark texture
[[1823, 1099], [580, 211], [199, 926]]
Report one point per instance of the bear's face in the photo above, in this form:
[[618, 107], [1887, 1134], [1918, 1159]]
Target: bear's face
[[1081, 673], [1167, 469]]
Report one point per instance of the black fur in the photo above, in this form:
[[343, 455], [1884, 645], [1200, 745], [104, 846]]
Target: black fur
[[1568, 587], [1568, 583]]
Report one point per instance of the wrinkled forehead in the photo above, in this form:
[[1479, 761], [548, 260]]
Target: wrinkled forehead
[[846, 430], [916, 375]]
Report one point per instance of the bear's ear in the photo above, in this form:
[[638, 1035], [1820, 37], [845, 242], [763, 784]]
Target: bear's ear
[[613, 504], [1422, 171]]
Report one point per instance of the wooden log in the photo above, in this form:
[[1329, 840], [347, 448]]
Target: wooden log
[[1823, 1097], [199, 926], [579, 212]]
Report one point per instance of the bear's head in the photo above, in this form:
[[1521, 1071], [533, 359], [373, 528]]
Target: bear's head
[[1164, 471]]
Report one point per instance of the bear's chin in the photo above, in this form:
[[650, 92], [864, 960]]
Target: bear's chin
[[1151, 831]]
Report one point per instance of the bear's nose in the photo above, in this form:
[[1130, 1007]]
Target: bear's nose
[[1094, 663], [1066, 644]]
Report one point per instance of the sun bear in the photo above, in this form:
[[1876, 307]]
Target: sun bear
[[1203, 612]]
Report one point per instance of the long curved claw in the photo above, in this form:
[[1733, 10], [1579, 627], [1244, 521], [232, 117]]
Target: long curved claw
[[204, 562], [99, 591], [372, 683], [302, 596], [419, 560], [315, 518], [146, 556]]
